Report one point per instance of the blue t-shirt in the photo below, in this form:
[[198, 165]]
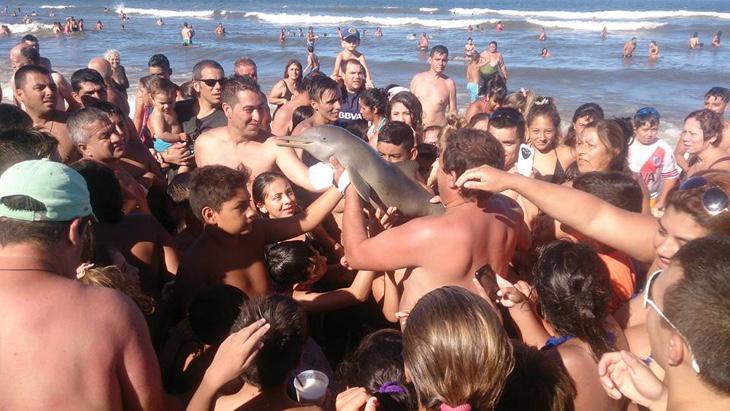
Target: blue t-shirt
[[350, 110]]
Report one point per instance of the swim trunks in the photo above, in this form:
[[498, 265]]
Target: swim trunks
[[161, 145], [473, 89]]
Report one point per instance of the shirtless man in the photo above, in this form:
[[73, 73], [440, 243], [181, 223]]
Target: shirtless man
[[97, 138], [37, 92], [435, 89], [447, 249], [114, 96], [282, 123], [243, 142], [186, 34], [325, 96], [115, 367], [24, 54], [629, 48]]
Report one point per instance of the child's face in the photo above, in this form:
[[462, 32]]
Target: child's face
[[165, 102], [319, 268], [542, 132], [399, 112], [392, 153], [350, 45], [646, 134], [236, 215], [279, 201]]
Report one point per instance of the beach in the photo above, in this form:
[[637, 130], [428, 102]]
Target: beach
[[583, 67]]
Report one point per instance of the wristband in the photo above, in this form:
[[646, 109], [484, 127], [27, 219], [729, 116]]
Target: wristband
[[344, 182], [320, 175]]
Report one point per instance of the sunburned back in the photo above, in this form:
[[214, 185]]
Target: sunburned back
[[465, 238], [59, 348]]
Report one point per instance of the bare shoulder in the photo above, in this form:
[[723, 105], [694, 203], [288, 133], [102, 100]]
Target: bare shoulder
[[211, 136], [577, 360]]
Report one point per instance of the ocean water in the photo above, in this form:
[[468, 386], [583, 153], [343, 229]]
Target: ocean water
[[583, 67]]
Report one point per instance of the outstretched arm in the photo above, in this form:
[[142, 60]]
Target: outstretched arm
[[625, 231], [386, 251], [281, 229], [293, 168], [356, 293]]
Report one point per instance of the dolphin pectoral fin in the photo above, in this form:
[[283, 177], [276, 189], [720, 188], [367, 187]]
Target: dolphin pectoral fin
[[362, 188]]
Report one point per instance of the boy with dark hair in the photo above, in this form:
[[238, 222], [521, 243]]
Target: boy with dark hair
[[396, 142], [231, 248], [87, 86], [508, 126], [653, 158], [325, 97]]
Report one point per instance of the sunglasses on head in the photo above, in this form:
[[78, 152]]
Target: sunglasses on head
[[648, 111], [211, 82], [649, 302], [714, 199]]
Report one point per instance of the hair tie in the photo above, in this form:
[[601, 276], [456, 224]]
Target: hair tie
[[542, 101], [391, 387], [523, 91], [462, 407], [82, 269]]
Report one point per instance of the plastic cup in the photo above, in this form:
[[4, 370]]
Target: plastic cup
[[311, 385]]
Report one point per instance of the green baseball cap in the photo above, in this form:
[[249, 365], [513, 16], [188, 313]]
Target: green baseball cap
[[59, 187]]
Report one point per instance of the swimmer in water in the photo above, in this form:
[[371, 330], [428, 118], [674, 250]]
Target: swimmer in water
[[604, 33], [499, 27], [694, 42], [545, 53], [541, 36], [629, 48], [716, 39], [654, 50], [378, 32], [423, 42], [282, 35], [220, 30]]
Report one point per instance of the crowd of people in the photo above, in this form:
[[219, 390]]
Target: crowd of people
[[182, 256]]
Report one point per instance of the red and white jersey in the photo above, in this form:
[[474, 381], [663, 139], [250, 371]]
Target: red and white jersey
[[655, 162]]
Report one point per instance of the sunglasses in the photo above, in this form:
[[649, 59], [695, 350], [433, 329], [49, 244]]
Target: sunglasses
[[714, 199], [648, 111], [211, 82], [650, 303]]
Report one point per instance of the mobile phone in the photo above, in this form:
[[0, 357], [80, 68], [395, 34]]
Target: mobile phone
[[525, 159], [488, 279]]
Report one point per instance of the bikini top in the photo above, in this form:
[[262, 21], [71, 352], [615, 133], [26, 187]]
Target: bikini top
[[553, 341]]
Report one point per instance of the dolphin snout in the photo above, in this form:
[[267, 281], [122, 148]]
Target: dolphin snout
[[292, 141]]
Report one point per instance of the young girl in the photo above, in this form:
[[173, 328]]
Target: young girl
[[572, 284], [373, 104], [543, 134], [274, 197]]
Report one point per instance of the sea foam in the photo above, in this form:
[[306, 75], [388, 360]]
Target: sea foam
[[590, 15], [166, 13], [597, 25], [299, 19]]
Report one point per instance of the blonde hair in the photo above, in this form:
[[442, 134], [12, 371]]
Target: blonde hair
[[456, 350], [520, 100], [112, 277]]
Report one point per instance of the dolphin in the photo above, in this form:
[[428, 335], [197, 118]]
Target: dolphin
[[377, 181]]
